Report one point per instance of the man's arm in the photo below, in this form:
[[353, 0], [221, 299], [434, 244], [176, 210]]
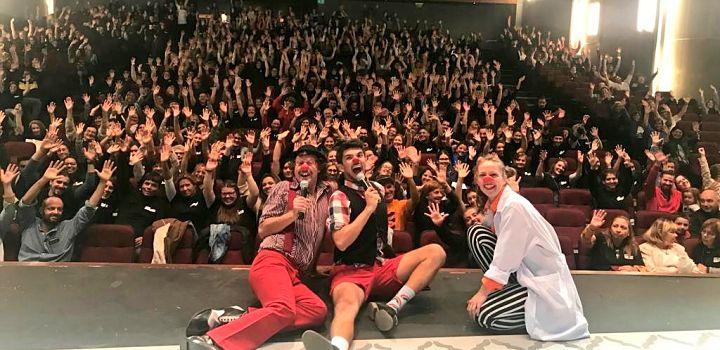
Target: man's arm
[[275, 216], [343, 233], [52, 172]]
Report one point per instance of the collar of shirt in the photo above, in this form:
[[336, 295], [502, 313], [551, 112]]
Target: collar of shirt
[[352, 185], [492, 205]]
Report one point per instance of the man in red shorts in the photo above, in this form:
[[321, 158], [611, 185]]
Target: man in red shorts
[[291, 229], [365, 265]]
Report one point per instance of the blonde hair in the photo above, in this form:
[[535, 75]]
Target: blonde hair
[[494, 159], [657, 232]]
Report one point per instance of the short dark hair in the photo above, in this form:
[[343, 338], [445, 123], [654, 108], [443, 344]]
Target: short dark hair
[[349, 144], [151, 176]]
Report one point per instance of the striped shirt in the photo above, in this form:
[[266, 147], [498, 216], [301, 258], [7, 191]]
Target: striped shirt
[[309, 231]]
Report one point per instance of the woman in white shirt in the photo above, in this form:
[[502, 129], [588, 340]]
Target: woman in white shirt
[[526, 280], [660, 252]]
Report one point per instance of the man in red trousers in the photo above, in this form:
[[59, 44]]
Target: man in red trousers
[[291, 230]]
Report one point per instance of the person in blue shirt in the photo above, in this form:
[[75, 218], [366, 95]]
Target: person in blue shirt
[[48, 237]]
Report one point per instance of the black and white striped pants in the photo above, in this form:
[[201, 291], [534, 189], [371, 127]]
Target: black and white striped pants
[[504, 309]]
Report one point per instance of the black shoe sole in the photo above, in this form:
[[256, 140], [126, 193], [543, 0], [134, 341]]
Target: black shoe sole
[[315, 341], [198, 324]]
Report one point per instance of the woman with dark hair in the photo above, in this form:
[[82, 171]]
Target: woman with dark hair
[[267, 182], [680, 146], [437, 195], [613, 248], [707, 252]]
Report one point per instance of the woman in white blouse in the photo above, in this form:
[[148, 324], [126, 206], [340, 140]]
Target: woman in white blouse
[[660, 252]]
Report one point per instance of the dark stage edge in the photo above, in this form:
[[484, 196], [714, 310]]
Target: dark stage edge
[[57, 306]]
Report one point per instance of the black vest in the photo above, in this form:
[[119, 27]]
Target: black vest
[[364, 249]]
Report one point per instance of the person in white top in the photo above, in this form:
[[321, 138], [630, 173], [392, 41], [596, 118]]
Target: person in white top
[[661, 253], [526, 247]]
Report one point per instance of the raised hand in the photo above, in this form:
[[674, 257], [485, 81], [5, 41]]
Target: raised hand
[[107, 170], [8, 175], [436, 216], [53, 170], [250, 136], [69, 103], [51, 108], [655, 137], [246, 165], [406, 170], [462, 169], [598, 219], [701, 152]]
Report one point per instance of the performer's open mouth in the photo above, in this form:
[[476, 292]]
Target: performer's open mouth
[[357, 169]]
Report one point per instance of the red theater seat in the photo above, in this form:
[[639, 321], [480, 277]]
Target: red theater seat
[[577, 198], [17, 151], [402, 242], [568, 223], [108, 243], [538, 195], [645, 218]]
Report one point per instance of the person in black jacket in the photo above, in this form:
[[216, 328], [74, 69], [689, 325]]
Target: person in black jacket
[[613, 248], [364, 266], [611, 190], [707, 252]]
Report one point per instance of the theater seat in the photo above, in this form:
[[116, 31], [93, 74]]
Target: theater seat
[[645, 218], [690, 244], [18, 151], [11, 243], [234, 255], [327, 251], [108, 243], [577, 198], [583, 260], [430, 237], [402, 242], [567, 246], [568, 223], [538, 195], [183, 252]]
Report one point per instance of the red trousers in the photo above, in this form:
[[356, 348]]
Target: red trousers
[[286, 304]]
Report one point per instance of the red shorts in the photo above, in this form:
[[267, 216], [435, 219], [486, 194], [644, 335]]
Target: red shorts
[[379, 280]]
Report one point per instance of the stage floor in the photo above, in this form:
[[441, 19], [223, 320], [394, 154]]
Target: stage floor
[[81, 306]]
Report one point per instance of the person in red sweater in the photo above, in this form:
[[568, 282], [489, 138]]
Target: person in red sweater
[[284, 106], [665, 197]]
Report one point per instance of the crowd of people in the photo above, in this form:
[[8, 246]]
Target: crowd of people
[[216, 120], [218, 107]]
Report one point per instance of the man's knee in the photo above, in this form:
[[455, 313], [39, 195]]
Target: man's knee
[[284, 311], [347, 298], [436, 253]]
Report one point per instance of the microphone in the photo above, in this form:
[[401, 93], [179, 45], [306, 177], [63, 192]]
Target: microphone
[[361, 178], [304, 193]]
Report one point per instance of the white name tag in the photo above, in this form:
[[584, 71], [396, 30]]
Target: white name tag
[[563, 183], [527, 173], [561, 152], [240, 212], [78, 183], [115, 214], [103, 205], [194, 204], [620, 198], [716, 259], [150, 209], [629, 257]]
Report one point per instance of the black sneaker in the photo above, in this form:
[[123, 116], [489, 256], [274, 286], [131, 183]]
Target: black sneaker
[[200, 342], [385, 317], [315, 341], [208, 319]]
